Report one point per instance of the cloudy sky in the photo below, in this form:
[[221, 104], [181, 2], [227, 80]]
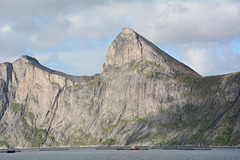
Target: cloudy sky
[[73, 36]]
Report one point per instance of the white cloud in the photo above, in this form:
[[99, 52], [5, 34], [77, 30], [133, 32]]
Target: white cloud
[[161, 21], [200, 58], [192, 21], [5, 29], [207, 61]]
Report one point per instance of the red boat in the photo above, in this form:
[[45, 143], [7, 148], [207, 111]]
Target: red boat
[[134, 148]]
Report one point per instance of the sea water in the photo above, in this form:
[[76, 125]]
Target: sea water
[[152, 154]]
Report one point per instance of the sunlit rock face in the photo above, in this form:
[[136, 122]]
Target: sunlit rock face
[[142, 96]]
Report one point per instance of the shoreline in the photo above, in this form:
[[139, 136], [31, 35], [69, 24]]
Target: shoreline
[[125, 146]]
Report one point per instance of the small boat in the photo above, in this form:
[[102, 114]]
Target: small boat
[[11, 150], [134, 148]]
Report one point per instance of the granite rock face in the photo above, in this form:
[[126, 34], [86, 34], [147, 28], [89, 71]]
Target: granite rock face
[[142, 96]]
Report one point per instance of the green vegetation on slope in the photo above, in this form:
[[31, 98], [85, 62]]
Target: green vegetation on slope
[[97, 82]]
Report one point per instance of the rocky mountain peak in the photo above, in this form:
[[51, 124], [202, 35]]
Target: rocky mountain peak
[[130, 47], [26, 58], [21, 64], [128, 31], [124, 49]]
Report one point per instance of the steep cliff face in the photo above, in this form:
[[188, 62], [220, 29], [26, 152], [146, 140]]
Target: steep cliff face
[[142, 96], [39, 105]]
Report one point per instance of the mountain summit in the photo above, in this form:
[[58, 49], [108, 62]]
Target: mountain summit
[[130, 47], [142, 96]]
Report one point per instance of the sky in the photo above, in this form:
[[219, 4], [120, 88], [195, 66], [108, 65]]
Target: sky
[[73, 36]]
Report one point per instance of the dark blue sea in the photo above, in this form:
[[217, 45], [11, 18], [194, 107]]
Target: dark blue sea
[[152, 154]]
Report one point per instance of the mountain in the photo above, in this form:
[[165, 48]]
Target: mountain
[[142, 96]]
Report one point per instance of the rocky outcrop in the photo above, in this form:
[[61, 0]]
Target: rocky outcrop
[[142, 96]]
